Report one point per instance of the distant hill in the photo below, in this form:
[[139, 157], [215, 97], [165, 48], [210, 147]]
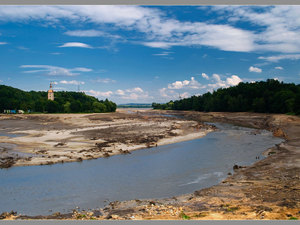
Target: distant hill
[[269, 96], [64, 102], [135, 105]]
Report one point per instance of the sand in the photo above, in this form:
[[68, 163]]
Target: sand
[[60, 138], [267, 190]]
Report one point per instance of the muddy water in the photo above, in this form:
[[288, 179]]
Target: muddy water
[[158, 172]]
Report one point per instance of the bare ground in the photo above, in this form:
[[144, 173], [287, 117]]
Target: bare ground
[[58, 138], [269, 189]]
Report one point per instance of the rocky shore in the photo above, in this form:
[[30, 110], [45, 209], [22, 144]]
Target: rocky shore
[[268, 189]]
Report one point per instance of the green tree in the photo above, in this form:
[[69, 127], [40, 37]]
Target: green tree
[[52, 106]]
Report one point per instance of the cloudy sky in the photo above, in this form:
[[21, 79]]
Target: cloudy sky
[[147, 54]]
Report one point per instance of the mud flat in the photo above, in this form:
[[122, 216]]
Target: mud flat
[[43, 139], [268, 189]]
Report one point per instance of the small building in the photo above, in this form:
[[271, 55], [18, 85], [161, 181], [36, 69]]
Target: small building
[[50, 93], [21, 111]]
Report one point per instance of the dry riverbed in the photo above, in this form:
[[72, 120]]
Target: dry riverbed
[[57, 138], [268, 189]]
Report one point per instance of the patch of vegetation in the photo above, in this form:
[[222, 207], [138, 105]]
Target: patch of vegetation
[[269, 96], [293, 218], [80, 216], [202, 214], [228, 208], [232, 209], [184, 216], [64, 102]]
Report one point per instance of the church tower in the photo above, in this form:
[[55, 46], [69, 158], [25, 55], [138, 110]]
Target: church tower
[[50, 93]]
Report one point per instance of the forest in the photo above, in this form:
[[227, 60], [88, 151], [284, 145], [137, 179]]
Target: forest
[[64, 102], [269, 96]]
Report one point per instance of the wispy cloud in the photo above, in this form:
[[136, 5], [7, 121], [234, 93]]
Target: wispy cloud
[[56, 53], [160, 31], [104, 80], [75, 44], [187, 88], [99, 93], [255, 69], [277, 58], [74, 82], [3, 43], [163, 54], [279, 25], [205, 76], [187, 84], [133, 94], [91, 33], [278, 31], [54, 70], [278, 68]]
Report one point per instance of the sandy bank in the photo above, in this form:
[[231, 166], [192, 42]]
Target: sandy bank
[[268, 189], [58, 138]]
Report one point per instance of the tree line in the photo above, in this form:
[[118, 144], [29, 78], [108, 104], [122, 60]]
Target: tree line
[[64, 102], [269, 96]]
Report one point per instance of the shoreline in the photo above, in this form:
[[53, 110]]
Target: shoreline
[[267, 189], [91, 136]]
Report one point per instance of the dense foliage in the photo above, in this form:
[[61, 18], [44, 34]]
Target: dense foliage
[[269, 96], [64, 102]]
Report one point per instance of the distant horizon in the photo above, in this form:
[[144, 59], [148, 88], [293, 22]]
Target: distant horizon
[[147, 53]]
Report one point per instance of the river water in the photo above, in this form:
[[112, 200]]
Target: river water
[[157, 172]]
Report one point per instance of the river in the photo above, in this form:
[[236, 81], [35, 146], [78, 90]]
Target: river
[[157, 172]]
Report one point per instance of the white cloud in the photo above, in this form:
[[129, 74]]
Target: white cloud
[[136, 89], [277, 26], [75, 44], [99, 93], [91, 33], [233, 80], [255, 69], [74, 82], [82, 69], [134, 94], [189, 84], [204, 75], [3, 43], [185, 95], [55, 70], [120, 92], [277, 58], [56, 53], [174, 90], [163, 54], [163, 92], [160, 31], [279, 68], [105, 80], [219, 83]]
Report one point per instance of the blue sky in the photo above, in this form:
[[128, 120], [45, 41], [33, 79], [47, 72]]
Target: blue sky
[[144, 54]]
